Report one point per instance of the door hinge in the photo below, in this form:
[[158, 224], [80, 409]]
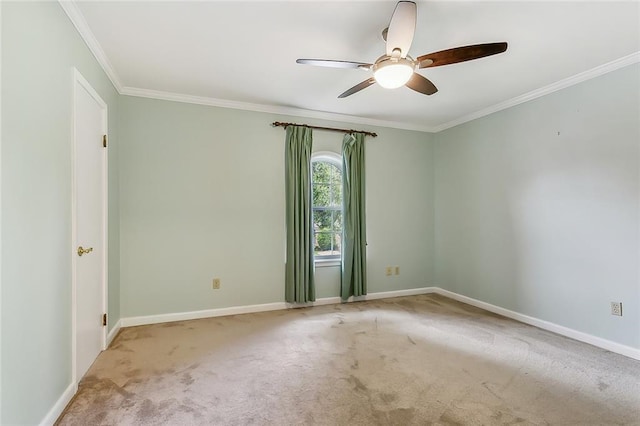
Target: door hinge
[[104, 141], [104, 320]]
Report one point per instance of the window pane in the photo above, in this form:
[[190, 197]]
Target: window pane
[[321, 194], [336, 176], [337, 243], [322, 243], [336, 195], [327, 244], [337, 221], [327, 205], [322, 220], [321, 172]]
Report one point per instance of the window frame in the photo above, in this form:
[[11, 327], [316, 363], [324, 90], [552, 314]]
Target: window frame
[[336, 160]]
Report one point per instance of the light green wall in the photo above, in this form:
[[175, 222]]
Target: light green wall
[[202, 196], [39, 48], [537, 207]]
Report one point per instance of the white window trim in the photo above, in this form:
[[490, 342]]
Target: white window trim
[[335, 158], [330, 156], [326, 263]]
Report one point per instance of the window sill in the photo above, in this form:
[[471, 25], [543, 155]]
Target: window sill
[[324, 263]]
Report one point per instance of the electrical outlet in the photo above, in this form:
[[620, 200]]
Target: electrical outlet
[[388, 271], [616, 308], [216, 283], [397, 270]]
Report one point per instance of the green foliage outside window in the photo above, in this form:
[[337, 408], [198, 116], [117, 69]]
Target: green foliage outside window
[[327, 208]]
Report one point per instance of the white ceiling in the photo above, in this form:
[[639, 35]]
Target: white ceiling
[[242, 54]]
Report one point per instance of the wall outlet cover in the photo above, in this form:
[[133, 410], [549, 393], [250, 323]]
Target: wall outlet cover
[[616, 308]]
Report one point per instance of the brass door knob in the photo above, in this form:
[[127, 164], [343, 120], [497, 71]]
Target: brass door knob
[[82, 251]]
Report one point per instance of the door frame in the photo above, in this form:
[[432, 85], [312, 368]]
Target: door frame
[[79, 79]]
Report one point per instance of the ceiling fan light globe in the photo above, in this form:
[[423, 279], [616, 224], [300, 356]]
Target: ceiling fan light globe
[[392, 74]]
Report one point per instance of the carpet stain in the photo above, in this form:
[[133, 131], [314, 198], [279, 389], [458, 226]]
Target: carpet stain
[[146, 410], [388, 398], [120, 347], [359, 386], [187, 379], [186, 409], [448, 420], [135, 333], [401, 416], [128, 403], [408, 305], [173, 324], [99, 417], [103, 387], [133, 373], [173, 350], [120, 390], [602, 386], [163, 405], [503, 418], [124, 362], [491, 391]]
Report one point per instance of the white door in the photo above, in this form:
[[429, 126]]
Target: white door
[[89, 249]]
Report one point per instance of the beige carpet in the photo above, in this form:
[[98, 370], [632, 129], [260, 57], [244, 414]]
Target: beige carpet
[[410, 360]]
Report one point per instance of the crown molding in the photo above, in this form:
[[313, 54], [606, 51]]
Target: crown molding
[[543, 91], [271, 109], [77, 18]]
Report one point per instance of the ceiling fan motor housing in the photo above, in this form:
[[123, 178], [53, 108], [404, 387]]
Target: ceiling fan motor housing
[[392, 72]]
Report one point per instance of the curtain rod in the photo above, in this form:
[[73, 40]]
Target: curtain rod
[[333, 129]]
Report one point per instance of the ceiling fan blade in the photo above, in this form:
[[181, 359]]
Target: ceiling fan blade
[[358, 87], [402, 28], [421, 84], [334, 64], [460, 54]]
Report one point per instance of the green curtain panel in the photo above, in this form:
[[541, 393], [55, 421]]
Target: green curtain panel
[[354, 234], [299, 285]]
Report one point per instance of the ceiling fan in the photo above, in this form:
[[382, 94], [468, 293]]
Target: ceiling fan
[[396, 68]]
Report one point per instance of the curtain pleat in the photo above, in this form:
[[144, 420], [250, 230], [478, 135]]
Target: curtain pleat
[[354, 244], [299, 284]]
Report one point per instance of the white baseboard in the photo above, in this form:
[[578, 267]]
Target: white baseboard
[[395, 293], [236, 310], [59, 406], [545, 325], [114, 332], [208, 313], [370, 296]]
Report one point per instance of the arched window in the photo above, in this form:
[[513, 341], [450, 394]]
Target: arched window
[[326, 186]]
